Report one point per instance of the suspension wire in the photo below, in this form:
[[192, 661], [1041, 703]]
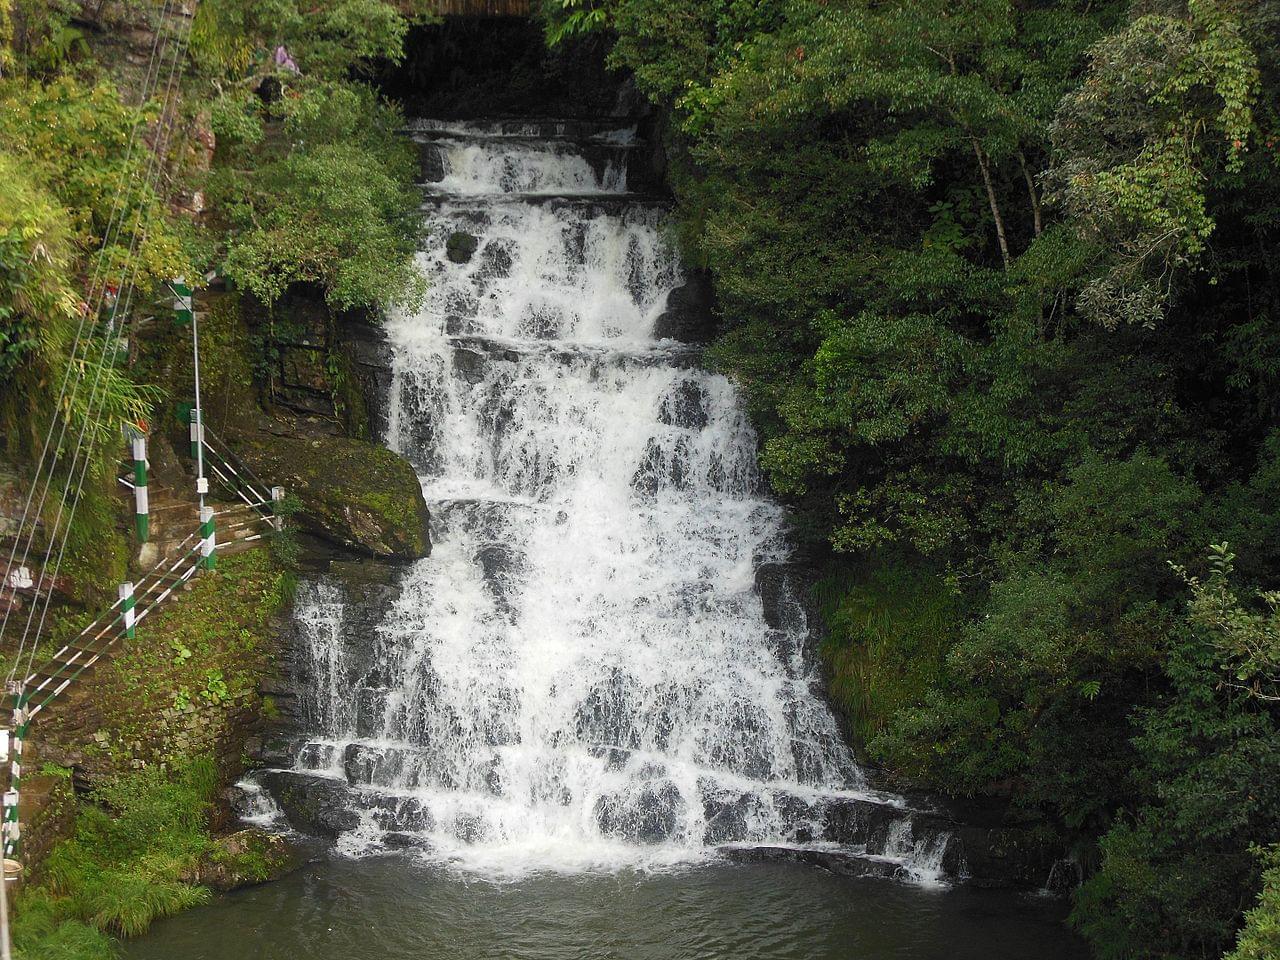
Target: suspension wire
[[73, 366], [110, 350], [114, 222], [92, 415], [75, 362]]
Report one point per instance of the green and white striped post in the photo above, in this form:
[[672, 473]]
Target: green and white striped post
[[183, 304], [277, 498], [142, 507], [208, 543], [127, 603]]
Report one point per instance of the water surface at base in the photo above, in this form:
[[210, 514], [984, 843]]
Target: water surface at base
[[391, 909]]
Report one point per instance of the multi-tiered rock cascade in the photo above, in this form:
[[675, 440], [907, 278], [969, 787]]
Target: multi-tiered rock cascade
[[599, 665]]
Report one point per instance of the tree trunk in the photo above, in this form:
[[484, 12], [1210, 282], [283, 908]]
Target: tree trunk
[[985, 166]]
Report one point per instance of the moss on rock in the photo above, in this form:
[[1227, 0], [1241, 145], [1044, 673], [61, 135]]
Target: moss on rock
[[359, 496], [245, 858]]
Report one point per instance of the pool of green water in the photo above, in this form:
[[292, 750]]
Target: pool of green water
[[389, 908]]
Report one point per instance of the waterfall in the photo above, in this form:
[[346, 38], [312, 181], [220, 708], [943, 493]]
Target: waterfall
[[583, 674]]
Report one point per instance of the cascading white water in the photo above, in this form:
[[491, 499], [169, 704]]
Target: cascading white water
[[582, 673], [489, 167]]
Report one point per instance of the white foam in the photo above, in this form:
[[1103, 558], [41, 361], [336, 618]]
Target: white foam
[[581, 674]]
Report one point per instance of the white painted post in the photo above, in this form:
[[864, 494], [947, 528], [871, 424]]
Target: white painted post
[[277, 498], [11, 832]]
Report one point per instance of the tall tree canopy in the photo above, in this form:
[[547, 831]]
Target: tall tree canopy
[[1000, 281]]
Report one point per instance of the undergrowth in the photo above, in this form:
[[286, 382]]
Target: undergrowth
[[888, 630], [123, 866]]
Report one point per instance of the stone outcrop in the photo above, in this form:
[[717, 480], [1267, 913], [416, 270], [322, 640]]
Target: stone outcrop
[[315, 805], [689, 315], [359, 497], [367, 357], [243, 859]]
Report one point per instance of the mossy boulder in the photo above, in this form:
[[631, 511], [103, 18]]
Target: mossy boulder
[[245, 858], [355, 494]]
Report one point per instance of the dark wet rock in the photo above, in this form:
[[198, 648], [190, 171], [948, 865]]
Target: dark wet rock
[[608, 716], [461, 247], [276, 751], [396, 840], [314, 756], [363, 764], [615, 758], [369, 590], [1064, 877], [726, 815], [367, 356], [857, 822], [500, 565], [685, 406], [431, 161], [783, 590], [243, 859], [746, 753], [689, 315], [647, 815], [784, 646], [478, 519], [316, 805], [401, 814], [371, 711], [470, 364], [840, 862], [662, 467], [1007, 856], [543, 324], [495, 259]]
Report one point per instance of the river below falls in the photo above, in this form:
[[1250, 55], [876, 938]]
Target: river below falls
[[389, 908]]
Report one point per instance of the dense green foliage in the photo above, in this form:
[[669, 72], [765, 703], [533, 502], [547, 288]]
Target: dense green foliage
[[64, 152], [310, 185], [1000, 281], [1260, 937], [123, 867], [326, 198], [164, 706], [311, 180]]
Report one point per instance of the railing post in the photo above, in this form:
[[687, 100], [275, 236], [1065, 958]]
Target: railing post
[[208, 545], [142, 508], [12, 828], [197, 432], [127, 603], [183, 304], [277, 498]]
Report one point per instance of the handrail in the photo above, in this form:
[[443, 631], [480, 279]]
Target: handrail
[[223, 461], [42, 685], [233, 459]]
